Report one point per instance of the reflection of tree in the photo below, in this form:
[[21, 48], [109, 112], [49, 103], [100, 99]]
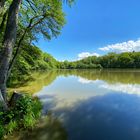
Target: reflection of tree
[[47, 129], [110, 76], [40, 79], [108, 117]]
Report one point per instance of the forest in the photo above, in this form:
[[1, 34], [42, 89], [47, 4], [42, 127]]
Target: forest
[[33, 59], [111, 60]]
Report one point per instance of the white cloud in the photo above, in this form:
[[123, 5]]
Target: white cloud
[[87, 54], [128, 46]]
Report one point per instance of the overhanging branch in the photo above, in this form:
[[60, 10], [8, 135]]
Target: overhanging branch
[[28, 28]]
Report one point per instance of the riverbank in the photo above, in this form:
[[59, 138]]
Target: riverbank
[[22, 114]]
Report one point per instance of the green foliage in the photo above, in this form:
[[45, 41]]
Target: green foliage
[[81, 64], [22, 115], [50, 60], [1, 131], [111, 60], [11, 127], [47, 13], [28, 106], [30, 59], [45, 17]]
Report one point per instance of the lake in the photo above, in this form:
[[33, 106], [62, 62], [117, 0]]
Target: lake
[[88, 104]]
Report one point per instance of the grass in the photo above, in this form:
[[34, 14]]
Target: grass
[[23, 115]]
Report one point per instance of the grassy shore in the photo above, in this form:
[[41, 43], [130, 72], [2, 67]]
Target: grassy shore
[[22, 115]]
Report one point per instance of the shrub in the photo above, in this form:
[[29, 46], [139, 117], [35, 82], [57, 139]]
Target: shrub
[[22, 115], [1, 131], [11, 126]]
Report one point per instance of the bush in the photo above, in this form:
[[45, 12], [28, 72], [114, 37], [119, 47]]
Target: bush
[[11, 126], [1, 131], [22, 115]]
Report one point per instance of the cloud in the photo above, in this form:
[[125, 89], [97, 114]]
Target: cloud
[[87, 54], [128, 46]]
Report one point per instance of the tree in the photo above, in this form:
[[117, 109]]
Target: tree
[[46, 19], [8, 44], [42, 16]]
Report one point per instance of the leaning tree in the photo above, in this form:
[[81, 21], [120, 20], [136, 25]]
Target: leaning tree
[[24, 19]]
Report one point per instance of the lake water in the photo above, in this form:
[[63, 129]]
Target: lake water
[[89, 104]]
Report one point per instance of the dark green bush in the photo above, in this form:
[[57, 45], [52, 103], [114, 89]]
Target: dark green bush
[[1, 131], [22, 115]]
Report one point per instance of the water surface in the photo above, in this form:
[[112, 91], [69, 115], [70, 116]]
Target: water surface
[[91, 104]]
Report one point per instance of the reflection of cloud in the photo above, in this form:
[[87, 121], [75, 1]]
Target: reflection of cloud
[[128, 46], [64, 95], [86, 81], [108, 117], [125, 88], [87, 54]]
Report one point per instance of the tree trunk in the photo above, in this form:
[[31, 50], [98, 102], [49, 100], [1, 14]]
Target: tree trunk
[[15, 98], [8, 44], [28, 28], [3, 105]]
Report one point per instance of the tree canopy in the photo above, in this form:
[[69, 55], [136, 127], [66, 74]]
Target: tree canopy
[[111, 60], [21, 23]]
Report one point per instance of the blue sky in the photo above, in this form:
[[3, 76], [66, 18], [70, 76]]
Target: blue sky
[[96, 27]]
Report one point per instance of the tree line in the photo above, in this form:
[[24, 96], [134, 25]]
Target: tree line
[[33, 59], [111, 60]]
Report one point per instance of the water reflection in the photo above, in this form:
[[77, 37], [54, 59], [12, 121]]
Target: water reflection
[[86, 81], [47, 129], [124, 88], [116, 87], [110, 76], [96, 105], [91, 104], [108, 117], [39, 80]]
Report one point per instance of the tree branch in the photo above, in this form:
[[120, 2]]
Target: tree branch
[[3, 21], [28, 28], [18, 46], [30, 3]]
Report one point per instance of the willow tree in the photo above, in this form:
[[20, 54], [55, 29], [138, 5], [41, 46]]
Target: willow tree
[[27, 18]]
